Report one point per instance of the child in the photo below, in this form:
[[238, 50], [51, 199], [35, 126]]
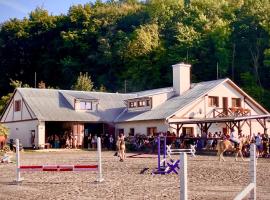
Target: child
[[6, 158]]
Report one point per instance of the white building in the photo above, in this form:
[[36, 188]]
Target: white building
[[34, 114]]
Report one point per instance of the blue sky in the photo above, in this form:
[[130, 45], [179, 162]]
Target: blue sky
[[21, 8]]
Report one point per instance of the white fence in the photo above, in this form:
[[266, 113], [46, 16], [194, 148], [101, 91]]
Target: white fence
[[251, 188]]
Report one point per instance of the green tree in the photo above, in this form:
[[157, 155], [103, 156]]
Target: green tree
[[4, 131], [6, 98], [83, 83]]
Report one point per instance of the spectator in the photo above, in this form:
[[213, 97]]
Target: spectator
[[111, 141], [258, 142]]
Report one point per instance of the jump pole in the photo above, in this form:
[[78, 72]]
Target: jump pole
[[159, 153], [251, 188], [59, 168], [18, 172], [183, 177], [99, 175]]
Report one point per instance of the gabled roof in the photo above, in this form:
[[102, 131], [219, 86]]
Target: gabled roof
[[172, 105], [52, 105]]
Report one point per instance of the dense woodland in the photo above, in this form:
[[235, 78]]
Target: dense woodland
[[130, 45]]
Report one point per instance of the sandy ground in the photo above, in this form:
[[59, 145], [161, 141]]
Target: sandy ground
[[207, 178]]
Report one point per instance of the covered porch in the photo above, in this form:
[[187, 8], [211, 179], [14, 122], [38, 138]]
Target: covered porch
[[230, 121]]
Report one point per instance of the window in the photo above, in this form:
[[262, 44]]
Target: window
[[148, 102], [151, 131], [132, 104], [188, 131], [17, 105], [85, 105], [131, 132], [213, 102], [236, 102], [141, 103]]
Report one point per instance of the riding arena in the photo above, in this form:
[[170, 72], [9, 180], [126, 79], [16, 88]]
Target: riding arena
[[134, 178]]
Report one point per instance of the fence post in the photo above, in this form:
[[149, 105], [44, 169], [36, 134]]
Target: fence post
[[18, 173], [252, 170], [99, 176], [183, 177]]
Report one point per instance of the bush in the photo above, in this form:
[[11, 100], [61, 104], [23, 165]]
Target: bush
[[3, 130]]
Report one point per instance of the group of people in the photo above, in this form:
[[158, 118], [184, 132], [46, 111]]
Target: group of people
[[205, 141], [107, 141]]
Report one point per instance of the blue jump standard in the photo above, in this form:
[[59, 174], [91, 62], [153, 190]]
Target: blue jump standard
[[162, 168]]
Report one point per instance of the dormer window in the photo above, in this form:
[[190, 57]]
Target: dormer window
[[85, 105], [132, 104], [137, 104], [141, 103]]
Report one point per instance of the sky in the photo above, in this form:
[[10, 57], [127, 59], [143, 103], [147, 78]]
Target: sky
[[21, 8]]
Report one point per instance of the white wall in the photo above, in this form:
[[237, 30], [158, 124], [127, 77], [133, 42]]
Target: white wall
[[40, 139], [200, 109], [22, 131], [141, 126], [24, 114]]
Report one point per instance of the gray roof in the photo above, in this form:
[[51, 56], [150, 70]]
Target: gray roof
[[57, 105], [54, 105], [153, 92], [172, 105]]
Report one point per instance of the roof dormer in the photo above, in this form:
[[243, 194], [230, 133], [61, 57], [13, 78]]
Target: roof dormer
[[139, 104]]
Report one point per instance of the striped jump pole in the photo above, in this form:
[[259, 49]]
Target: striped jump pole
[[59, 168]]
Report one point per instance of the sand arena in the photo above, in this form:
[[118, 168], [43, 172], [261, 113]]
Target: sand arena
[[207, 178]]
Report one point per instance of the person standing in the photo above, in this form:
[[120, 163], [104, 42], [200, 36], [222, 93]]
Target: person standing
[[89, 141], [111, 140], [94, 142]]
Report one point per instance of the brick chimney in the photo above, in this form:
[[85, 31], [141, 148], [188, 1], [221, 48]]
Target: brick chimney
[[181, 78]]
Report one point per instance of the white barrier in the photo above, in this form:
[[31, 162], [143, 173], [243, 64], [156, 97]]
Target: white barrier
[[171, 151], [251, 188], [58, 168]]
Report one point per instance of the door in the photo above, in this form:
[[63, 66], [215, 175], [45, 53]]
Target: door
[[225, 105]]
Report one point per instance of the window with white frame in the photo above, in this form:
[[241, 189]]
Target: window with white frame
[[85, 105], [141, 103]]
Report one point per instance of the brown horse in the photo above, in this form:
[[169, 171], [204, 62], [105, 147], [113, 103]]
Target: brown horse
[[121, 149], [3, 140], [225, 145]]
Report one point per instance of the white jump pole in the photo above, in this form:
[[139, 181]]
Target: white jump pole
[[252, 170], [251, 188], [183, 177], [99, 175], [18, 173]]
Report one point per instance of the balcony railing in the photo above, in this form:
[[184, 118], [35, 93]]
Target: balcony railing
[[230, 112]]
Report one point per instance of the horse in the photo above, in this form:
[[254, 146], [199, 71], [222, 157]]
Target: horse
[[3, 140], [121, 149], [225, 145]]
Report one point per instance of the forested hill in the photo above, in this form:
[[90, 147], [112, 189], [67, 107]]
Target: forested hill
[[134, 43]]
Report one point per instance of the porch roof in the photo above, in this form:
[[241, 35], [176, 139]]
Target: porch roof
[[216, 120]]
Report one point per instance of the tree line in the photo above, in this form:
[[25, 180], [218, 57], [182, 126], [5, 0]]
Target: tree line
[[130, 45]]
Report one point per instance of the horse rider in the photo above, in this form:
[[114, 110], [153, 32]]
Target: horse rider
[[234, 138]]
